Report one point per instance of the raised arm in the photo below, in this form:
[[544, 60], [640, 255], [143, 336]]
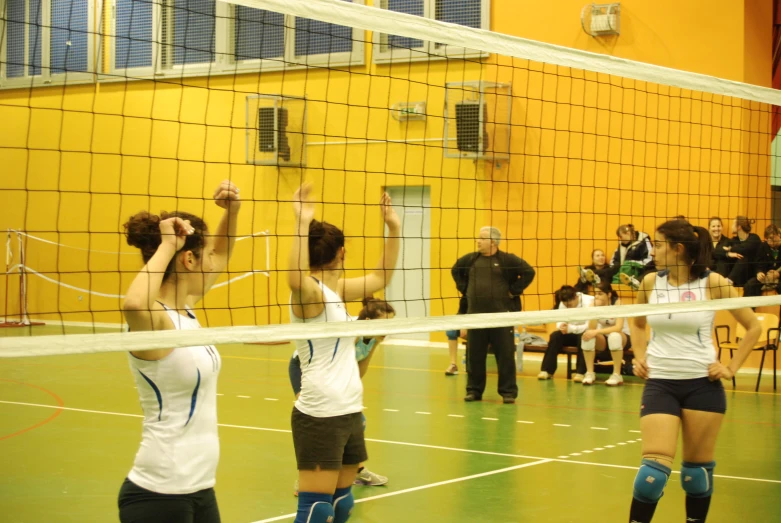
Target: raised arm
[[353, 289], [226, 196], [141, 310], [307, 298]]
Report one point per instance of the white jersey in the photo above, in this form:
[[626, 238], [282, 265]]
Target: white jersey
[[611, 322], [579, 327], [179, 444], [681, 345], [330, 379]]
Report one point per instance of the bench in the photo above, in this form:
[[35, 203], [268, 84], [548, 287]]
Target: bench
[[569, 351]]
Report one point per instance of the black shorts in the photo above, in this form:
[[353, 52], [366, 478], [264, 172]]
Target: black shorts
[[328, 443], [139, 505], [672, 396]]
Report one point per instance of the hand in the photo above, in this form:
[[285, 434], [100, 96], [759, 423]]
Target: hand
[[717, 371], [640, 368], [772, 276], [735, 255], [226, 196], [174, 232], [564, 328], [389, 215], [302, 205], [589, 335], [761, 277]]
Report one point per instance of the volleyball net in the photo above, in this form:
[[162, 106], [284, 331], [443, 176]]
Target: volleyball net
[[130, 105]]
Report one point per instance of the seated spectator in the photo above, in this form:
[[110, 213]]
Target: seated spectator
[[768, 265], [611, 335], [592, 274], [632, 258], [721, 263], [566, 334], [744, 249]]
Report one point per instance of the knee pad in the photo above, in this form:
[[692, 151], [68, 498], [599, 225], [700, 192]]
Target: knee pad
[[697, 479], [588, 346], [314, 507], [363, 422], [343, 504], [650, 481], [615, 341]]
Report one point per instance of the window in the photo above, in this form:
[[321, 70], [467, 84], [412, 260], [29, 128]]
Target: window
[[198, 37], [47, 42], [470, 13]]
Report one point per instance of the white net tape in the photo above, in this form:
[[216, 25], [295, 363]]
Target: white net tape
[[13, 347], [416, 27]]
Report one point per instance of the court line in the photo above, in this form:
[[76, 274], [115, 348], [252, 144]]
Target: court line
[[435, 371], [51, 418], [401, 443], [424, 487]]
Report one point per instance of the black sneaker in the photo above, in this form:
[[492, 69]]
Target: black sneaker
[[508, 400], [472, 397]]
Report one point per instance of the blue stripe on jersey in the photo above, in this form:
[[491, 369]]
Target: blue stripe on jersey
[[157, 393], [336, 348], [311, 350], [195, 397]]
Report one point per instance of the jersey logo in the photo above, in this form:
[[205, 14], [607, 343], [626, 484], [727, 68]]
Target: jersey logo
[[688, 296], [661, 295]]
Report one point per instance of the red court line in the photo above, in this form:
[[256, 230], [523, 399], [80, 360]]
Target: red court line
[[41, 423]]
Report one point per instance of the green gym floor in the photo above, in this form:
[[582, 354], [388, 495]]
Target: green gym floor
[[70, 427]]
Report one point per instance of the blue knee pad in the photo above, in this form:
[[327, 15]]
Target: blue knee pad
[[650, 481], [697, 479], [343, 504], [314, 507]]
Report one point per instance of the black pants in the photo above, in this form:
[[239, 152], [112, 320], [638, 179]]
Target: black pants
[[139, 505], [502, 341], [556, 345], [753, 287]]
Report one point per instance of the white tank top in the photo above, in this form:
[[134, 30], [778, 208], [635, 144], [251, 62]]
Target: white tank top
[[179, 443], [681, 345], [611, 322], [330, 379]]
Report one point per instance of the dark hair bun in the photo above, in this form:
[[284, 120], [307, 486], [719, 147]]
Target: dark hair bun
[[143, 231]]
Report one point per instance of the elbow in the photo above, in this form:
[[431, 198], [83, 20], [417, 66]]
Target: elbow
[[132, 304]]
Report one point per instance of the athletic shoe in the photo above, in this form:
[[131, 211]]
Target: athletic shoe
[[452, 370], [544, 376], [367, 477], [614, 380], [582, 274], [577, 378], [295, 489], [508, 400], [589, 378], [629, 280], [471, 397]]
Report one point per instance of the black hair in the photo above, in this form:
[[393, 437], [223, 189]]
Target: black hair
[[325, 240], [142, 230], [696, 243]]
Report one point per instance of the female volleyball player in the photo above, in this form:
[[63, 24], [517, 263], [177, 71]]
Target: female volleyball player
[[373, 309], [682, 392], [326, 420], [172, 480], [611, 334]]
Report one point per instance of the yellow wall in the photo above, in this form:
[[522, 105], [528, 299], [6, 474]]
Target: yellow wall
[[84, 158]]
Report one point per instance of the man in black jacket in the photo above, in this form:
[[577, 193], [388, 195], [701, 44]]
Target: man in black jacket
[[492, 281], [768, 266]]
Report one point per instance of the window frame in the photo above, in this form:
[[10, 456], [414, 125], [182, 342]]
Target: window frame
[[429, 50], [224, 48], [47, 78]]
